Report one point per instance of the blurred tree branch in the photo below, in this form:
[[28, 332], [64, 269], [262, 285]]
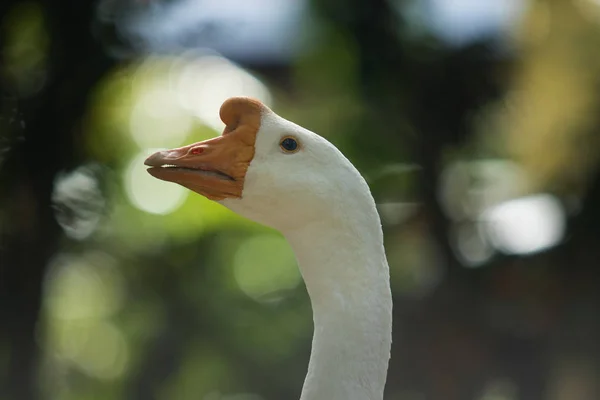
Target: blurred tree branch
[[52, 121]]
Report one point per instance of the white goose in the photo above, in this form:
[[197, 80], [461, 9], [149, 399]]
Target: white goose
[[277, 173]]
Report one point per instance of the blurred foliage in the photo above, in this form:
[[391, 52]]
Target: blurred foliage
[[114, 285], [26, 47]]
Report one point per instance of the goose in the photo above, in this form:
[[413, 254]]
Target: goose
[[277, 173]]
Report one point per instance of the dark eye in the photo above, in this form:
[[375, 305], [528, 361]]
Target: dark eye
[[289, 145]]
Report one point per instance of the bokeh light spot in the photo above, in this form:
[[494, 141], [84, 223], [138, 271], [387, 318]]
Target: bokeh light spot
[[83, 287], [205, 83], [148, 193], [157, 119], [78, 202], [265, 265], [105, 353], [81, 293], [526, 225], [471, 245]]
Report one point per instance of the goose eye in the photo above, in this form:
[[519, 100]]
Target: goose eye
[[289, 145]]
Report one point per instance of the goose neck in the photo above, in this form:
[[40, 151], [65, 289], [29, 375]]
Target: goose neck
[[347, 278]]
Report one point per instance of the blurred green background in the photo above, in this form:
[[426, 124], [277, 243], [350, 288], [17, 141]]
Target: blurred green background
[[475, 123]]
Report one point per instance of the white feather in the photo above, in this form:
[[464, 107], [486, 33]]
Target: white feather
[[318, 200]]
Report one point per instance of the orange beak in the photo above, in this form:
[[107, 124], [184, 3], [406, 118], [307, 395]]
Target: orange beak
[[215, 168]]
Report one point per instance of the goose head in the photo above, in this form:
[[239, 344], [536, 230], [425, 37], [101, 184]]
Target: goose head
[[279, 174], [265, 168]]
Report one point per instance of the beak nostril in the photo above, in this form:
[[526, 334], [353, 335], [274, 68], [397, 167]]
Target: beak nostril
[[196, 150]]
